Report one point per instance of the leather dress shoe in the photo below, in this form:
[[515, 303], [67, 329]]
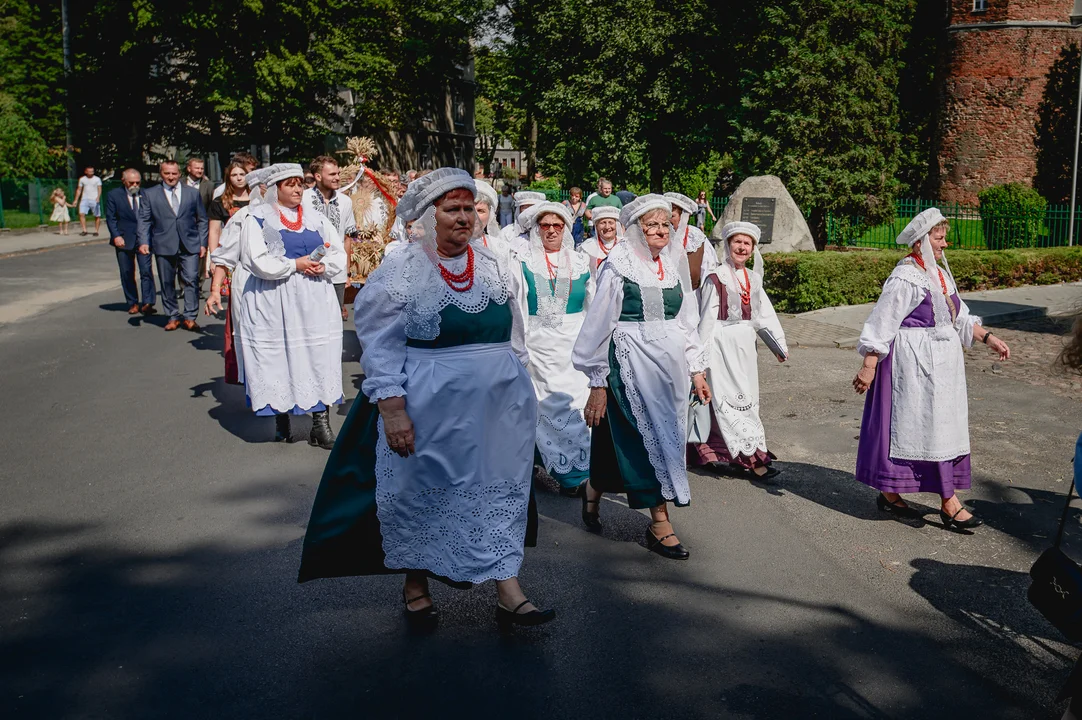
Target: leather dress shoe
[[172, 325], [505, 618], [133, 310], [148, 309], [190, 325], [673, 552]]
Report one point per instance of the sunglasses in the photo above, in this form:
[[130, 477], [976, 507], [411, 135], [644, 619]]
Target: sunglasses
[[552, 226]]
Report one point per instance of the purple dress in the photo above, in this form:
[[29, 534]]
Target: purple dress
[[875, 467]]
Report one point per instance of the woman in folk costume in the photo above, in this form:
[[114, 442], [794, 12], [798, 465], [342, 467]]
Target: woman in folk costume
[[515, 233], [488, 230], [702, 259], [431, 474], [606, 234], [229, 277], [288, 317], [733, 308], [640, 349], [559, 291], [914, 436]]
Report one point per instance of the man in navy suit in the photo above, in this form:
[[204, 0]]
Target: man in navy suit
[[122, 218], [173, 224]]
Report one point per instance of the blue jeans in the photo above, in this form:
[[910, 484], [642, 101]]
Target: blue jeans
[[188, 267], [127, 260]]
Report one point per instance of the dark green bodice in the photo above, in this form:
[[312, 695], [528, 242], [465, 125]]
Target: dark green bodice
[[631, 311], [575, 300], [458, 327]]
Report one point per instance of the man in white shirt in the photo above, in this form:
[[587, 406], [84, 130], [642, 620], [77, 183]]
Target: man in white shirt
[[324, 197], [88, 199]]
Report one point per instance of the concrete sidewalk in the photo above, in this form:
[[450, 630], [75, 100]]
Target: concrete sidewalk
[[840, 326], [24, 240]]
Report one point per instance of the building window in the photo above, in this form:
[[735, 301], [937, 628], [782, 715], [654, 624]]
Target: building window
[[512, 163], [980, 5]]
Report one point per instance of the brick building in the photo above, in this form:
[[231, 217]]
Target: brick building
[[998, 53]]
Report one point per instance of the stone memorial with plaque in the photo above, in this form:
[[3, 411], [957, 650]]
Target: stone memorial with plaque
[[763, 200]]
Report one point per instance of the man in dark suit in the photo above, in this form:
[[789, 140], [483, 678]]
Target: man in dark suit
[[173, 224], [122, 218]]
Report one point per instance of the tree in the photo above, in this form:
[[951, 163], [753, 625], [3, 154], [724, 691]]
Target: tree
[[23, 152], [628, 89], [1056, 128], [819, 105]]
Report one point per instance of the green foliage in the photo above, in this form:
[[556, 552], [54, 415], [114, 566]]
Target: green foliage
[[545, 184], [701, 177], [1011, 215], [819, 105], [225, 75], [1055, 128], [626, 89], [801, 282], [23, 152]]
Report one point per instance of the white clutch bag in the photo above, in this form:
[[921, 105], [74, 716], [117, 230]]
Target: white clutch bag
[[698, 420]]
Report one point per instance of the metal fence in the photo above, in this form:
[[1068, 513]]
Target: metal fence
[[971, 228], [25, 202]]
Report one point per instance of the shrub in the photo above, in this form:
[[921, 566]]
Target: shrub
[[1011, 216], [801, 282]]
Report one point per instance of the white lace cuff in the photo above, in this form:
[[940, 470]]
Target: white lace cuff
[[700, 365], [387, 391], [599, 377]]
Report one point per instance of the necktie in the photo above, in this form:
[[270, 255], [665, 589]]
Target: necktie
[[174, 201]]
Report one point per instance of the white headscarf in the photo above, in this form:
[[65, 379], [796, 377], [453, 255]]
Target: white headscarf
[[643, 269], [551, 306], [918, 230], [271, 212], [416, 279], [487, 194], [253, 180], [743, 228]]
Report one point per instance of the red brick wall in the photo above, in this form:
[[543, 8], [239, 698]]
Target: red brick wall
[[994, 81], [1016, 10]]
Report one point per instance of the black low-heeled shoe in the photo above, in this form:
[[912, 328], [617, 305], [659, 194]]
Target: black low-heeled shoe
[[672, 552], [592, 520], [423, 619], [903, 511], [506, 618], [950, 523], [771, 472]]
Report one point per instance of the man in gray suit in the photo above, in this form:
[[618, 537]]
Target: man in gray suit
[[173, 225]]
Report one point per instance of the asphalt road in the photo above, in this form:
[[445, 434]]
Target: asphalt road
[[150, 535]]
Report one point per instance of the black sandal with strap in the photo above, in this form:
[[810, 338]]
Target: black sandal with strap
[[592, 520], [672, 552], [506, 618], [423, 619]]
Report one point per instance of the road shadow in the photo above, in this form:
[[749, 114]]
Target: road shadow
[[1029, 515], [232, 413], [114, 307], [93, 628]]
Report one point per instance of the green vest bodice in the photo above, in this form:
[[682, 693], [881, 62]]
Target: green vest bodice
[[458, 327], [575, 300], [631, 311]]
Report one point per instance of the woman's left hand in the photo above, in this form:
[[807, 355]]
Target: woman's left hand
[[701, 388], [315, 270], [998, 346]]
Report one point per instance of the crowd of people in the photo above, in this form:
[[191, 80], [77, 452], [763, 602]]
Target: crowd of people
[[603, 342]]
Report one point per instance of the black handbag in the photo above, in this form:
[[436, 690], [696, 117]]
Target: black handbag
[[1056, 590]]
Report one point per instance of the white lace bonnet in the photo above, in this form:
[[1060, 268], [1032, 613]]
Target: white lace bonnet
[[743, 228]]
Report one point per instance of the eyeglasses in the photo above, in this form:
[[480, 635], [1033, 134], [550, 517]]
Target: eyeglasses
[[551, 226], [653, 227]]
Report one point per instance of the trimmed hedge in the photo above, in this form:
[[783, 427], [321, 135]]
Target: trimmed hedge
[[804, 281]]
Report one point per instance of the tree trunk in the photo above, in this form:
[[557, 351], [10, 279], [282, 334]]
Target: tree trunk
[[531, 150], [659, 156], [817, 223]]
